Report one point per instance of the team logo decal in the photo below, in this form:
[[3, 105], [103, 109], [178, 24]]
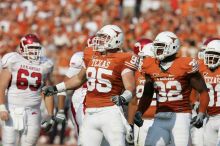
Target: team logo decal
[[173, 39], [117, 32]]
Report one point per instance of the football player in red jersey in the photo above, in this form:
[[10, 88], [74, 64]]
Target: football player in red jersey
[[109, 73], [210, 71], [172, 79], [23, 75], [143, 48]]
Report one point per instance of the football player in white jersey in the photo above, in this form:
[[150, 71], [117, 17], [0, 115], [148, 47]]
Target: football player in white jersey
[[24, 74], [77, 101]]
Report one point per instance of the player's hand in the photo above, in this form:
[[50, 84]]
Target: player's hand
[[4, 115], [118, 100], [49, 90], [138, 119], [60, 116], [197, 121], [48, 123], [130, 136]]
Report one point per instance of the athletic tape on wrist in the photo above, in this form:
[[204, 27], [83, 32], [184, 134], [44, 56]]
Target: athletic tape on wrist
[[61, 87], [3, 108], [127, 94]]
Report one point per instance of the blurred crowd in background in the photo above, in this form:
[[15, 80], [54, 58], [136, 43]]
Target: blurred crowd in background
[[65, 25]]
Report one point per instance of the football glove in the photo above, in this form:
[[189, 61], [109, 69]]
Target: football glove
[[196, 107], [138, 119], [60, 116], [47, 123], [118, 100], [130, 136], [197, 121], [49, 90]]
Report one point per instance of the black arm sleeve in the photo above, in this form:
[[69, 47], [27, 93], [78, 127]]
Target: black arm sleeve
[[147, 96]]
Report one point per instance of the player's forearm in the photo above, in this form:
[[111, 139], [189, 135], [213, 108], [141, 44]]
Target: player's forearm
[[129, 81], [132, 108], [49, 103], [2, 97], [61, 102], [74, 83], [204, 101]]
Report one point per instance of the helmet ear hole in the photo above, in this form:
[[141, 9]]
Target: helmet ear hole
[[174, 47], [117, 42]]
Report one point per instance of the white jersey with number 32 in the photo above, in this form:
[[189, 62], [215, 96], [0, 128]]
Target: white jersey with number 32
[[27, 79]]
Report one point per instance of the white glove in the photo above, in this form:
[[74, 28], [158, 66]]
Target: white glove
[[48, 123], [60, 116], [130, 136], [197, 121]]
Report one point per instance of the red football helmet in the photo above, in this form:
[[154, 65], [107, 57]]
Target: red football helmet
[[30, 47], [204, 46], [143, 47]]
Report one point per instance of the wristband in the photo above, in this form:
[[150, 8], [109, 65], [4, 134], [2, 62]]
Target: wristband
[[3, 108], [127, 94], [61, 94], [61, 87], [61, 110]]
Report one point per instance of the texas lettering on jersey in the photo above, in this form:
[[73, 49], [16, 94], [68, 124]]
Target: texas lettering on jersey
[[172, 87], [212, 80], [103, 74]]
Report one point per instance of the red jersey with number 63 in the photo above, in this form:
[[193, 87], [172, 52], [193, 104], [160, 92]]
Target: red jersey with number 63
[[212, 80], [172, 87], [27, 79], [104, 76]]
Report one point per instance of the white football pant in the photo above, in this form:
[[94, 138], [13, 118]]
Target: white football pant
[[140, 133], [23, 125], [197, 136], [212, 131], [99, 122], [172, 130]]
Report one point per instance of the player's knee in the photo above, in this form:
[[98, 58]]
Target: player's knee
[[8, 136], [157, 137], [9, 141], [31, 137]]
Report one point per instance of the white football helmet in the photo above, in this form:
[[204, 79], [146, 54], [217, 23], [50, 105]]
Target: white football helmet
[[212, 54], [165, 44], [107, 38]]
